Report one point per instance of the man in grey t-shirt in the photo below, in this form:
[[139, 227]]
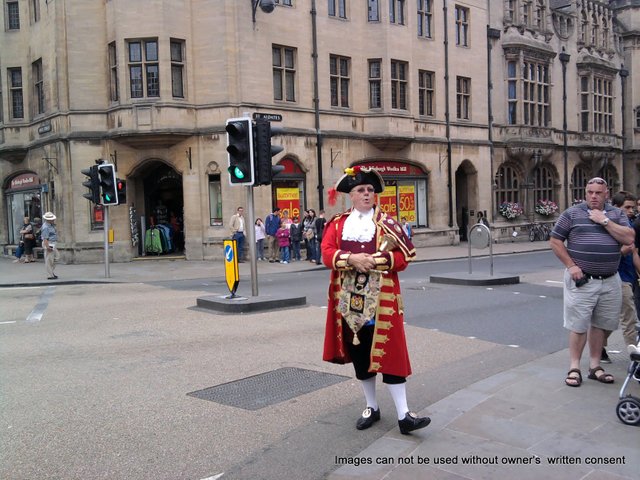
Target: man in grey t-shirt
[[593, 232]]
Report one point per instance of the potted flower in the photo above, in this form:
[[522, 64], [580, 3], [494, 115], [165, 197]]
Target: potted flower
[[546, 207], [510, 210]]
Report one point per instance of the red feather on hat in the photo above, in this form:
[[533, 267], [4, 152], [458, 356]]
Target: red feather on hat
[[332, 195]]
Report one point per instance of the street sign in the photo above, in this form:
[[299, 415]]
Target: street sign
[[231, 274], [269, 117]]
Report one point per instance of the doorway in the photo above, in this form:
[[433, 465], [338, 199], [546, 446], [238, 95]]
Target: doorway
[[163, 209], [466, 196]]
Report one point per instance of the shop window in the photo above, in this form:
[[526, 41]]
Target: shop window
[[215, 200]]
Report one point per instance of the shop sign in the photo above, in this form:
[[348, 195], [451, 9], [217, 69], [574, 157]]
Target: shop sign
[[24, 181], [407, 199], [388, 201], [288, 200], [394, 168]]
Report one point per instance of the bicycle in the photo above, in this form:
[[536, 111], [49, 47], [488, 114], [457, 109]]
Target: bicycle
[[539, 231]]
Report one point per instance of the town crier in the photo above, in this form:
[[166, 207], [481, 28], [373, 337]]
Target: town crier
[[365, 249]]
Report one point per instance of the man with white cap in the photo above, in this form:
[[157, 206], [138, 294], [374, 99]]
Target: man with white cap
[[49, 238], [365, 249]]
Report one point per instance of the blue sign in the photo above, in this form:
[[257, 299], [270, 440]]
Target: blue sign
[[228, 253]]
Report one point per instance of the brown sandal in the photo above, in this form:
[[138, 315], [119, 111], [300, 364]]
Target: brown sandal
[[603, 378], [575, 381]]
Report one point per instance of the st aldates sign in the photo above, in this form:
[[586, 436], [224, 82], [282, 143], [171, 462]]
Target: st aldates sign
[[24, 181]]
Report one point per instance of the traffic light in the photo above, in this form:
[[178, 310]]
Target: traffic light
[[121, 188], [240, 150], [107, 175], [92, 183], [265, 170]]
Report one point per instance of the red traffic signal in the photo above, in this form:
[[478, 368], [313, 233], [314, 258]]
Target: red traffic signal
[[121, 188]]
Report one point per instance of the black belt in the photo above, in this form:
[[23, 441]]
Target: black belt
[[599, 277]]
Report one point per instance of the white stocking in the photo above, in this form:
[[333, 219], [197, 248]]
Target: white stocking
[[399, 394], [369, 388]]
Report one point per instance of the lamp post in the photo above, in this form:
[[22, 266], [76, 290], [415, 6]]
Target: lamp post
[[564, 59]]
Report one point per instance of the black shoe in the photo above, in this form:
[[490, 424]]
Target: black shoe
[[412, 422], [55, 277], [368, 418], [604, 356]]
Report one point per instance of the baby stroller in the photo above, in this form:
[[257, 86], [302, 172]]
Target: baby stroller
[[628, 408]]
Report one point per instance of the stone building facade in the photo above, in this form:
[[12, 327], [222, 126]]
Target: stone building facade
[[461, 106]]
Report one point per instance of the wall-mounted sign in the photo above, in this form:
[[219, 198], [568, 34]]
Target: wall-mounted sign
[[45, 127], [394, 168], [24, 181]]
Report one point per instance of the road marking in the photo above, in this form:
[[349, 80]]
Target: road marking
[[514, 346], [5, 323], [542, 296], [553, 281], [41, 306], [214, 477]]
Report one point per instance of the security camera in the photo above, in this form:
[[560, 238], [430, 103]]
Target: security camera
[[267, 6]]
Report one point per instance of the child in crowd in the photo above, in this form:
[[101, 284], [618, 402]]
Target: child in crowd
[[260, 236], [296, 238], [283, 237]]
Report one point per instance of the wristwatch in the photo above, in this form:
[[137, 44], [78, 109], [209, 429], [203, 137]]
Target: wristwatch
[[605, 222]]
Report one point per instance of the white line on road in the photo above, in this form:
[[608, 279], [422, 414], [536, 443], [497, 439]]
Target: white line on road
[[5, 323], [41, 306], [214, 477], [514, 346], [553, 281]]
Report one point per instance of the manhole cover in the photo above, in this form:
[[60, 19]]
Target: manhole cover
[[259, 391]]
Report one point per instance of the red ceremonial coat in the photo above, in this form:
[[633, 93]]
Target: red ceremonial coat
[[389, 348]]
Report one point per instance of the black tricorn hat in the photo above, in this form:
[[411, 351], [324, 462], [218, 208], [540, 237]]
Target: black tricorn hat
[[357, 175]]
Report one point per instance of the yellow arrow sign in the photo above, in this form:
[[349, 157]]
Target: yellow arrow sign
[[231, 273]]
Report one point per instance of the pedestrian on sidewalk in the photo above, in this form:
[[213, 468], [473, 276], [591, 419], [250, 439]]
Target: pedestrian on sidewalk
[[260, 236], [236, 225], [49, 237], [365, 249], [283, 236], [593, 232], [28, 238], [296, 238], [271, 226], [627, 269]]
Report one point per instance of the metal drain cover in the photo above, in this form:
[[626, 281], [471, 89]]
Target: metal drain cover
[[265, 389]]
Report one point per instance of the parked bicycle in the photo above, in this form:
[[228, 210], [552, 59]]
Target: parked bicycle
[[539, 231]]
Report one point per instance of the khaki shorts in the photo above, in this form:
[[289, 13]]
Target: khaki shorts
[[597, 303]]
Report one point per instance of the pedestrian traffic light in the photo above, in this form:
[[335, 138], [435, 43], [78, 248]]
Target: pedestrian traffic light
[[265, 170], [240, 150], [121, 188], [107, 175], [92, 183]]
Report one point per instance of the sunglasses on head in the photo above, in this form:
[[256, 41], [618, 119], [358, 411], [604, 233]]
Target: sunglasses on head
[[598, 180]]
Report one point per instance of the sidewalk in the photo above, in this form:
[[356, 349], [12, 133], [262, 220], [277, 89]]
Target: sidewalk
[[148, 269], [522, 423]]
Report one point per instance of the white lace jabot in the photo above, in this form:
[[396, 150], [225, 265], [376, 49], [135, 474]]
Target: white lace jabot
[[359, 227]]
